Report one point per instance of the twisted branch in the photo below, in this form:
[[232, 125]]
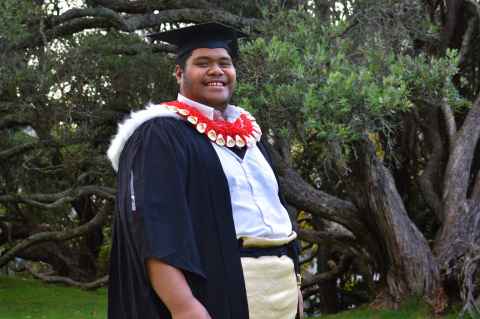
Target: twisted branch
[[50, 201], [77, 20], [336, 271], [89, 12], [100, 282], [37, 238], [148, 6], [314, 236], [469, 270], [457, 174]]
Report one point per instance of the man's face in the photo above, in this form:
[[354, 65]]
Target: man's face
[[209, 77]]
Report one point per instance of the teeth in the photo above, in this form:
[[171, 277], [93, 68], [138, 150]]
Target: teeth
[[215, 84], [201, 127]]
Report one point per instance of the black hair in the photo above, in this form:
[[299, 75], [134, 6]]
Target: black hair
[[181, 59]]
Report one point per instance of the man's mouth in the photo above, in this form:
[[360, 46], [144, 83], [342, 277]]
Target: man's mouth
[[215, 84]]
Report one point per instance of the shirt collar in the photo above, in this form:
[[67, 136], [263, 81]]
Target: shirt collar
[[230, 113]]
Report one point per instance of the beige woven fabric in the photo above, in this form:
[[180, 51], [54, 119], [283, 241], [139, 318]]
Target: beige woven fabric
[[249, 242], [271, 287]]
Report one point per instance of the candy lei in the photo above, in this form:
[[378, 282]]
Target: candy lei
[[243, 132]]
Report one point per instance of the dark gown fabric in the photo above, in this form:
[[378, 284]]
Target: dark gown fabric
[[182, 216]]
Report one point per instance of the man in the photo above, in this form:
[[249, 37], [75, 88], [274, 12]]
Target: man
[[199, 230]]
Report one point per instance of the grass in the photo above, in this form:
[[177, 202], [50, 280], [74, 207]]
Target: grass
[[413, 309], [31, 299]]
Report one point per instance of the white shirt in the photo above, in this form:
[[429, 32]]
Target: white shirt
[[256, 207]]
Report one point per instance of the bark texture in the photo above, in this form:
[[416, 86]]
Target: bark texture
[[409, 264]]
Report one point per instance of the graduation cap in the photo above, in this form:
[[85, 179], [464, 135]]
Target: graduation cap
[[206, 35]]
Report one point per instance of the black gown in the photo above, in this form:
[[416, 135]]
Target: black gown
[[182, 215]]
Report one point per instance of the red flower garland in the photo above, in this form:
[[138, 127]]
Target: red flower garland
[[243, 131]]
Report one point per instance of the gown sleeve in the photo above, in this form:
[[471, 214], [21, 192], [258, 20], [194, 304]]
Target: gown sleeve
[[161, 223]]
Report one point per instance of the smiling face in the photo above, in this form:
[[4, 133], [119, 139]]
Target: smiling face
[[208, 77]]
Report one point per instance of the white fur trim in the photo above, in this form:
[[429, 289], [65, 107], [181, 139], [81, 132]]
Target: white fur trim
[[126, 129]]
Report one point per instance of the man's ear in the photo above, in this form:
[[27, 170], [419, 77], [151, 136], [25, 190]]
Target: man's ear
[[178, 73]]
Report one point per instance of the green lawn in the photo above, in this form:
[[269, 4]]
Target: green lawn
[[31, 299], [410, 310]]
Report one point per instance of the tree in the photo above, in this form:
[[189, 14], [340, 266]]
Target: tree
[[70, 71], [371, 108], [368, 109]]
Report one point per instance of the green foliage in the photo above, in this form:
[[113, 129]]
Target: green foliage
[[14, 14], [309, 82], [103, 258]]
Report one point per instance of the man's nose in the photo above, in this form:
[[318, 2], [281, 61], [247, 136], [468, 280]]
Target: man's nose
[[215, 69]]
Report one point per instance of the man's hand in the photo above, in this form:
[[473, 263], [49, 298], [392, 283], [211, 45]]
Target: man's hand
[[193, 311], [300, 304]]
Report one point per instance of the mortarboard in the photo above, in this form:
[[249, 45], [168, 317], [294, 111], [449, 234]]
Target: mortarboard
[[206, 35]]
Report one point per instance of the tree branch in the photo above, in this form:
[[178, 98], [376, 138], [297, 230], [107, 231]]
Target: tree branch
[[17, 150], [469, 272], [49, 201], [131, 50], [450, 123], [188, 16], [467, 40], [388, 219], [100, 282], [302, 195], [429, 179], [453, 12], [343, 266], [66, 29], [314, 236], [151, 5], [476, 189], [457, 174], [13, 120], [78, 20], [100, 12], [37, 238]]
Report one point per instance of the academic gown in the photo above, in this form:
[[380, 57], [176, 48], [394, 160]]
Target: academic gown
[[182, 215]]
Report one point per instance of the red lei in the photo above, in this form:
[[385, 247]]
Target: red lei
[[244, 131]]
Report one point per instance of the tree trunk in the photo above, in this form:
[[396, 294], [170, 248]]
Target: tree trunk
[[408, 266], [89, 245], [327, 290], [460, 211], [459, 235]]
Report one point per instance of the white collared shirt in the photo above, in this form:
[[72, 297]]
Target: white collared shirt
[[256, 207]]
